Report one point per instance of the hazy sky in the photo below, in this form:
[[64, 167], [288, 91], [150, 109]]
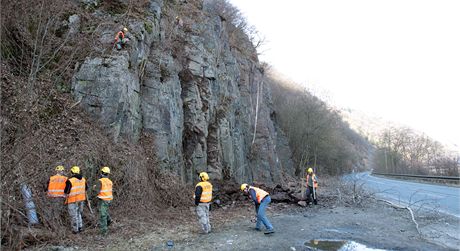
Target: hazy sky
[[398, 59]]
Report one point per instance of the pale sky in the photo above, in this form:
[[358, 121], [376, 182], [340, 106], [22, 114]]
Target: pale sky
[[398, 59]]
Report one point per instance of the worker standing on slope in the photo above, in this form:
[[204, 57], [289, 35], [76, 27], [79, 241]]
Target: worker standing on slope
[[105, 196], [203, 197], [261, 200], [312, 185], [55, 191], [75, 188]]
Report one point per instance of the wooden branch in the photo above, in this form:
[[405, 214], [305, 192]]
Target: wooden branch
[[407, 208]]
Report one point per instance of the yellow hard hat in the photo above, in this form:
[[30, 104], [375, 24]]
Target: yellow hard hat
[[243, 186], [59, 168], [125, 29], [204, 176], [75, 169], [105, 169], [309, 170]]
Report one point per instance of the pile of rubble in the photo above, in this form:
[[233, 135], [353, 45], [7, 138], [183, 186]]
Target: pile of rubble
[[228, 193]]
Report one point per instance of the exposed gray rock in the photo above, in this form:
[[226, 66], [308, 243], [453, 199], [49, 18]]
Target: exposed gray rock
[[191, 91], [302, 203], [155, 7], [110, 92], [88, 3], [74, 24]]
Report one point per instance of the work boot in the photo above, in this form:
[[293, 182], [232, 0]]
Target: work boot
[[270, 231]]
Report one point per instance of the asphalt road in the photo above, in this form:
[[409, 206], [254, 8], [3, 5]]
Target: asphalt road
[[446, 199]]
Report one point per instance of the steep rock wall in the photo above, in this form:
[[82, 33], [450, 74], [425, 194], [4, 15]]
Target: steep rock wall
[[185, 84]]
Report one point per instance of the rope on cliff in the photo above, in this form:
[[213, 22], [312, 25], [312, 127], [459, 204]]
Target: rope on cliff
[[259, 87]]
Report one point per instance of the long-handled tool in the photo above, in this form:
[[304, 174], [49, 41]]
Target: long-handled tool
[[314, 192], [88, 203]]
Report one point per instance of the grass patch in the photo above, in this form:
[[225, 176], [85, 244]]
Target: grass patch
[[148, 26]]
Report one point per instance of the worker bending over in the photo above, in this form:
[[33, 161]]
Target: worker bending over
[[261, 200]]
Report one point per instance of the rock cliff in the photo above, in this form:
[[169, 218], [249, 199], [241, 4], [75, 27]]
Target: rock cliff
[[185, 81]]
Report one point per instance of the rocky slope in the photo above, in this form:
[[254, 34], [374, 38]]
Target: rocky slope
[[191, 83]]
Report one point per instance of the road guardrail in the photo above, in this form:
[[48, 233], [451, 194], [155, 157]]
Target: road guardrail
[[420, 176]]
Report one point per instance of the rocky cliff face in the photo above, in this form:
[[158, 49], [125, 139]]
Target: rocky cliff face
[[185, 83]]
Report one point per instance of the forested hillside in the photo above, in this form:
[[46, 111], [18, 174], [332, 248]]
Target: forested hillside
[[403, 150], [317, 134]]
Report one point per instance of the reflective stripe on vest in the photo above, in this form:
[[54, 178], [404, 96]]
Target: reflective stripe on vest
[[106, 189], [77, 191], [206, 194], [315, 183], [56, 186], [260, 194]]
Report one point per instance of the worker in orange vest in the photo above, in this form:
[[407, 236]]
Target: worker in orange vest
[[261, 200], [312, 185], [56, 184], [105, 196], [203, 197], [75, 189], [55, 191], [121, 39]]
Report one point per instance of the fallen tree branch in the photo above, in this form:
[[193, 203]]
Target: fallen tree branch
[[407, 208], [14, 209]]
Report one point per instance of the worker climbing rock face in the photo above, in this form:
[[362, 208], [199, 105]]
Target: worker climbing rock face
[[105, 197], [121, 39], [203, 197], [55, 193], [261, 200], [312, 185], [179, 22], [75, 188]]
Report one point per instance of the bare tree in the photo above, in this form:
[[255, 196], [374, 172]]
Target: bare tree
[[402, 150]]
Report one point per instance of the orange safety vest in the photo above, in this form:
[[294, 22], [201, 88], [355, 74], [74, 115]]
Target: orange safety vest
[[206, 194], [315, 183], [77, 191], [260, 194], [120, 33], [106, 189], [56, 186]]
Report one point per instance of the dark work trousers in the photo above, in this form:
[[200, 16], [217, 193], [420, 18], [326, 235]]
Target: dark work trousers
[[309, 195]]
